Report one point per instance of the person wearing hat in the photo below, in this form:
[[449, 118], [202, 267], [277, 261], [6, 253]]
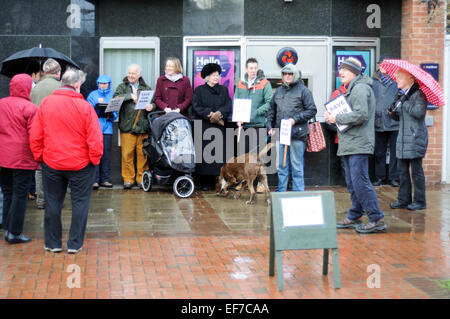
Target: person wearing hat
[[211, 104], [386, 129], [356, 145], [42, 89], [410, 109], [102, 96], [292, 101]]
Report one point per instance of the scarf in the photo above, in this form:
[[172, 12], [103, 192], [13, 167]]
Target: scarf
[[385, 79], [174, 77]]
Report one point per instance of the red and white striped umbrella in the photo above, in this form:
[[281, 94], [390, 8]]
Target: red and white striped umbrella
[[429, 86]]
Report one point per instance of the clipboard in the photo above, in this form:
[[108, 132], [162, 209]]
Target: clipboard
[[100, 109]]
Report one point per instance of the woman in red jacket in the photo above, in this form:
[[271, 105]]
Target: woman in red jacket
[[16, 161], [173, 90]]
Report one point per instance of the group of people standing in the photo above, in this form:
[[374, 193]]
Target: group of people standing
[[52, 129]]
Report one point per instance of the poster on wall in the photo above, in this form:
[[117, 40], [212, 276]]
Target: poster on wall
[[362, 55], [224, 58]]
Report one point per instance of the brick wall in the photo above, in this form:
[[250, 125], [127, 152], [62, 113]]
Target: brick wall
[[423, 42]]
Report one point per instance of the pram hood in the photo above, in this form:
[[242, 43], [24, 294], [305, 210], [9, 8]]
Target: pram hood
[[173, 133]]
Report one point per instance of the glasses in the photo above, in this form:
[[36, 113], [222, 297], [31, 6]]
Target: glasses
[[288, 74]]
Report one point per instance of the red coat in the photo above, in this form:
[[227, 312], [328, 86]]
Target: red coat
[[66, 133], [16, 116], [176, 94]]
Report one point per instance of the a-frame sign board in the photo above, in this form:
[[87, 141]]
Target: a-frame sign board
[[303, 220]]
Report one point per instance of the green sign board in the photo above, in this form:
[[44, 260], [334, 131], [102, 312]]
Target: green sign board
[[303, 220]]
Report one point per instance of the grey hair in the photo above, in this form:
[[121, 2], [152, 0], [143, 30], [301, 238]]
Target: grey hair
[[136, 66], [72, 76], [51, 66]]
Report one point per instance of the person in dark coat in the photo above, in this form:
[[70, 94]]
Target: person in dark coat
[[410, 108], [212, 105], [386, 129], [173, 90]]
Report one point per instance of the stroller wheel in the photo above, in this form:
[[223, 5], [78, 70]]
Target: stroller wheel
[[183, 186], [147, 181]]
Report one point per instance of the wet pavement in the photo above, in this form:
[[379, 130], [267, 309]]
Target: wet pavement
[[154, 245]]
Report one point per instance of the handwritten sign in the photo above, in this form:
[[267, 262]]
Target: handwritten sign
[[242, 109], [145, 98], [302, 211], [114, 104], [285, 132], [339, 105]]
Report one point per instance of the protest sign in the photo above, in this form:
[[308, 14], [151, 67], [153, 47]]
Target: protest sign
[[145, 98], [339, 105], [114, 104]]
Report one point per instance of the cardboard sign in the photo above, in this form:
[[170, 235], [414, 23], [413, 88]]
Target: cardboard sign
[[145, 98], [242, 110], [285, 132], [114, 104], [339, 105], [303, 220]]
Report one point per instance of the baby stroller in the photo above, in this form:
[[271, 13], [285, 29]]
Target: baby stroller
[[171, 153]]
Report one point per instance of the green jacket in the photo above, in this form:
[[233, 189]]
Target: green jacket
[[260, 93], [359, 138], [127, 113], [44, 88]]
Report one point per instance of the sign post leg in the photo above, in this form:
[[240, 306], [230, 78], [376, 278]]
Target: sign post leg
[[325, 261], [279, 258], [337, 274], [272, 248], [284, 158]]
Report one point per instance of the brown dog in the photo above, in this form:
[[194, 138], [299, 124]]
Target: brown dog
[[244, 169]]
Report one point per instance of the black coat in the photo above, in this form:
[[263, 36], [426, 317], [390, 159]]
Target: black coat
[[410, 110], [208, 99]]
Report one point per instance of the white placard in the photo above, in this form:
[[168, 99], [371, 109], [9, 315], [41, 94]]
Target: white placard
[[114, 104], [336, 106], [285, 132], [302, 211], [242, 110], [144, 98]]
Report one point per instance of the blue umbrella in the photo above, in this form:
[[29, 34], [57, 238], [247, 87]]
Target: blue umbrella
[[31, 60]]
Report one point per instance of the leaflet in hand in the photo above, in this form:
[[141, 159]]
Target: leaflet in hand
[[339, 105], [114, 104]]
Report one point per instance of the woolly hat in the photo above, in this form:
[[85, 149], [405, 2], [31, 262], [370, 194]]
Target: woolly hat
[[351, 64], [209, 69]]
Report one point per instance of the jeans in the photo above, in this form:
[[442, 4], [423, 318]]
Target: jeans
[[418, 178], [1, 206], [295, 163], [102, 170], [382, 139], [15, 184], [55, 186], [363, 196], [40, 199]]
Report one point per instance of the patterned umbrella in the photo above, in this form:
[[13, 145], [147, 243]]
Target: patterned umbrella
[[429, 86]]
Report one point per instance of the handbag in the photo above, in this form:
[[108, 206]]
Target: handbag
[[315, 141]]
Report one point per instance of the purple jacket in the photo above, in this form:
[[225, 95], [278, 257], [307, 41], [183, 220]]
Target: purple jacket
[[174, 94]]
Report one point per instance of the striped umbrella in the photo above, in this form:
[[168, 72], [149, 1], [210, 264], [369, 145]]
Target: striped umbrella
[[429, 86]]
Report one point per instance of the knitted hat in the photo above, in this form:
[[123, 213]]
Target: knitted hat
[[352, 65], [209, 69], [51, 66]]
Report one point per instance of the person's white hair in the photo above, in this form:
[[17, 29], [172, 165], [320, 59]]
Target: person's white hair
[[135, 66], [72, 76]]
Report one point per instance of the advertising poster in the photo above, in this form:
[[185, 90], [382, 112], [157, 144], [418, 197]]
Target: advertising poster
[[363, 56], [223, 58]]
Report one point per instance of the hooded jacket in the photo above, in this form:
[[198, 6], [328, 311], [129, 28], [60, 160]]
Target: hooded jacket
[[16, 116], [359, 138], [260, 92], [127, 113], [106, 124], [384, 96], [411, 109], [292, 101], [65, 133]]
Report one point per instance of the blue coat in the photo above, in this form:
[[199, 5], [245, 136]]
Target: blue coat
[[105, 124], [384, 96]]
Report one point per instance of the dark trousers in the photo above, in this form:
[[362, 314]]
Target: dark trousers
[[363, 196], [382, 140], [55, 185], [418, 178], [15, 184], [102, 170]]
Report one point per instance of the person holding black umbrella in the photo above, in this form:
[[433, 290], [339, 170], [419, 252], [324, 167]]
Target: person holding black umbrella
[[42, 89]]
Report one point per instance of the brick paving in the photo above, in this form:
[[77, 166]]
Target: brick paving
[[156, 246]]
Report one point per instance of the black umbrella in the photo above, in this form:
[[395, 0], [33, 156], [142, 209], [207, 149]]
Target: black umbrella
[[31, 60]]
